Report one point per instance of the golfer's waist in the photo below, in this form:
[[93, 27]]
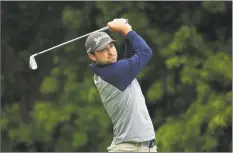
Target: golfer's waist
[[148, 143], [135, 139]]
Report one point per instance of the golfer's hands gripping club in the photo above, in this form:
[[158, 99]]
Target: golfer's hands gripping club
[[120, 25]]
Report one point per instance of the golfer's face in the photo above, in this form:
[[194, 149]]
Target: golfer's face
[[106, 56]]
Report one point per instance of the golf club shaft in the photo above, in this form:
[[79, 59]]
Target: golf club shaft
[[102, 29]]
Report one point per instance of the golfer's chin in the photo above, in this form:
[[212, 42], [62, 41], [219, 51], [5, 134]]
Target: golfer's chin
[[112, 60]]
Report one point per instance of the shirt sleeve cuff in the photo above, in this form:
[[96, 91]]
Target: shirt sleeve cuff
[[129, 34]]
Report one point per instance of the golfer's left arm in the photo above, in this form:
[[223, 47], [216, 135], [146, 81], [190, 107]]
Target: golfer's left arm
[[123, 72], [126, 70], [129, 50]]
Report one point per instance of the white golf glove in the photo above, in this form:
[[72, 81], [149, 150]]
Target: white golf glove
[[123, 20]]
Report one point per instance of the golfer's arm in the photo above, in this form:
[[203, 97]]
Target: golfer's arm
[[123, 72], [129, 50], [126, 70], [142, 54]]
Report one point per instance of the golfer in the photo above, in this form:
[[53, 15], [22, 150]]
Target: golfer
[[119, 89]]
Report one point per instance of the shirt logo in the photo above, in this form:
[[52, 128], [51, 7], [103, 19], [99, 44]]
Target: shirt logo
[[98, 39]]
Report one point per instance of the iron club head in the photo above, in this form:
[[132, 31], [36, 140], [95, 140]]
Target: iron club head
[[32, 62]]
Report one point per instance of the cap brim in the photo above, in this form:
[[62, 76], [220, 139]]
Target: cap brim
[[101, 47]]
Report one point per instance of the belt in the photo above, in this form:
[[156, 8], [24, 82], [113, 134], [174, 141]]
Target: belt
[[149, 143]]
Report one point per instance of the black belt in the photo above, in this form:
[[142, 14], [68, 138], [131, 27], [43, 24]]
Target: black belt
[[150, 143]]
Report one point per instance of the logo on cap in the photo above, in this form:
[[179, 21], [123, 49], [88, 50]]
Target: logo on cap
[[98, 39]]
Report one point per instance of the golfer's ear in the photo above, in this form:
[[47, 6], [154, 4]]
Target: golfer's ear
[[92, 57]]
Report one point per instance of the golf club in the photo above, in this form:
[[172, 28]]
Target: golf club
[[32, 61]]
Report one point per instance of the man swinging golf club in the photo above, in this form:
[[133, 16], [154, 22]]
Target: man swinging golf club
[[119, 89]]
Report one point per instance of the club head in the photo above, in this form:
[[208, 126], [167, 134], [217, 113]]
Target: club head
[[32, 62]]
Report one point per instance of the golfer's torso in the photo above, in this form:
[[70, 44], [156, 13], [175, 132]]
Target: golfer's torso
[[127, 110]]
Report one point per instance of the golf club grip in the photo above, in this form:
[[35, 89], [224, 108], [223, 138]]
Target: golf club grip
[[108, 28]]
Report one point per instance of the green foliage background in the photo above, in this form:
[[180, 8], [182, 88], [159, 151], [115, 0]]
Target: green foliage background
[[187, 83]]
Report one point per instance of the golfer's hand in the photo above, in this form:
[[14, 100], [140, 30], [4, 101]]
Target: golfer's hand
[[120, 25]]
